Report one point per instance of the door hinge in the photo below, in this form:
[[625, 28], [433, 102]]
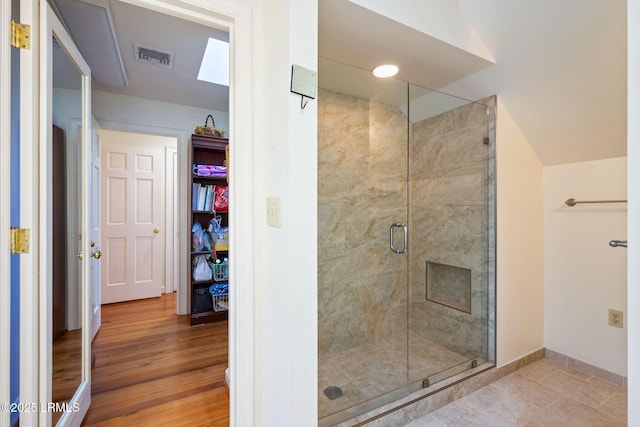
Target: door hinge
[[20, 240], [20, 35]]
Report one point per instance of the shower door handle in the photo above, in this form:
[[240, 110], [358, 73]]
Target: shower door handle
[[404, 241], [616, 243]]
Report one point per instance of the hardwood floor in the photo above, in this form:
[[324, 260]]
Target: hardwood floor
[[153, 369], [66, 373]]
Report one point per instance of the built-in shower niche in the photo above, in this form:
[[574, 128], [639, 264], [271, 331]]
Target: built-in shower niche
[[449, 285]]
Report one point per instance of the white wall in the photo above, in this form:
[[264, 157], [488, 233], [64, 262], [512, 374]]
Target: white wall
[[67, 104], [114, 107], [285, 166], [520, 229], [633, 254], [584, 276]]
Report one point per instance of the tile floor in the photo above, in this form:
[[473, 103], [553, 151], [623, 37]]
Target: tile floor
[[544, 393], [368, 371]]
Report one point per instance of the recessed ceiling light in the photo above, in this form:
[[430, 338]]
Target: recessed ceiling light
[[386, 70]]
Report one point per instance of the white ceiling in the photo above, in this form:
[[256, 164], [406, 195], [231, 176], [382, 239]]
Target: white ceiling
[[560, 65], [147, 28], [561, 71]]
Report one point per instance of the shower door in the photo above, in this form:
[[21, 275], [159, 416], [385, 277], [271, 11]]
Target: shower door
[[403, 219], [362, 203]]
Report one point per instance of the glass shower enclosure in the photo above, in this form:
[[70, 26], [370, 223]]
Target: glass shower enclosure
[[406, 239]]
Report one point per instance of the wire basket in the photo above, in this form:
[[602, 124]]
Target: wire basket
[[220, 302], [220, 296], [221, 271]]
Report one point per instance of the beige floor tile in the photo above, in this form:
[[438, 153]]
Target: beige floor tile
[[537, 370], [464, 413], [568, 369], [560, 398], [516, 412], [606, 385], [527, 389], [488, 396], [616, 405], [568, 413], [592, 393], [426, 421]]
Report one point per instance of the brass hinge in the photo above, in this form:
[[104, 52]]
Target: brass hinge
[[20, 240], [20, 35]]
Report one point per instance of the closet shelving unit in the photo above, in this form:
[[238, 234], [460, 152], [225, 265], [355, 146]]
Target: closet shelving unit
[[206, 150]]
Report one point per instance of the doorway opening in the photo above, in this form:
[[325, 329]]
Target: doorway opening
[[165, 113]]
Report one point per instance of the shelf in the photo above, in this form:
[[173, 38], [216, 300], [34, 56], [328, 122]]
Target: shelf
[[203, 282], [209, 212], [201, 252], [208, 317], [208, 253], [206, 151], [211, 178]]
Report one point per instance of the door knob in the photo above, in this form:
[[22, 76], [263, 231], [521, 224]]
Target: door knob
[[97, 254], [156, 230]]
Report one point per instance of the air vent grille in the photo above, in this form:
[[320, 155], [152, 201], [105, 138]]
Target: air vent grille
[[153, 56]]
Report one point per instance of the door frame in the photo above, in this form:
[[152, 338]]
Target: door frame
[[237, 20], [182, 149], [29, 211], [171, 220], [5, 207]]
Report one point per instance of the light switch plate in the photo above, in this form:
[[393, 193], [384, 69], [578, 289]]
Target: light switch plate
[[303, 81], [274, 216]]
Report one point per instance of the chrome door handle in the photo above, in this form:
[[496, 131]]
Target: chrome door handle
[[404, 242], [616, 243]]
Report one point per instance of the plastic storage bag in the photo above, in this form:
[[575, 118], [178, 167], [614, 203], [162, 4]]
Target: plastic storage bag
[[201, 269]]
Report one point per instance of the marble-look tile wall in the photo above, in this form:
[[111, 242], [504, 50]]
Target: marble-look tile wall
[[362, 183], [362, 158], [448, 222]]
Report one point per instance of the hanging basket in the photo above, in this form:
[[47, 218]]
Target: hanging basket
[[207, 130]]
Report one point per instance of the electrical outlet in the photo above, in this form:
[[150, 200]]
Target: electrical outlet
[[273, 212], [616, 318]]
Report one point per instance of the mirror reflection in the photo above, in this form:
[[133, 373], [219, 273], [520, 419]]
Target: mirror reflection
[[66, 299]]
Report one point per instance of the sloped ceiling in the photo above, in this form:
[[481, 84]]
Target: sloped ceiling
[[560, 66], [560, 71]]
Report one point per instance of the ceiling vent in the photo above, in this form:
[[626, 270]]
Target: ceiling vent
[[153, 56]]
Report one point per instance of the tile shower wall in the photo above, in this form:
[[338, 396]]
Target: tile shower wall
[[362, 156], [448, 223]]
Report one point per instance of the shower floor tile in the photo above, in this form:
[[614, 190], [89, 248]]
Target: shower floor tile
[[369, 371]]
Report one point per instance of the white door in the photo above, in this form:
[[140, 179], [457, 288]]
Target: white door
[[59, 57], [94, 235], [132, 215]]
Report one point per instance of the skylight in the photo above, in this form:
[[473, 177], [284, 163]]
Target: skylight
[[215, 63]]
